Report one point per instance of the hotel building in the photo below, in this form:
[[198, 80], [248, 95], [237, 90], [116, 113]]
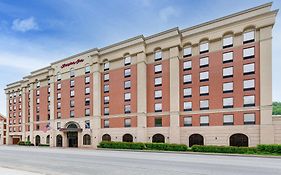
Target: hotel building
[[2, 130], [210, 84]]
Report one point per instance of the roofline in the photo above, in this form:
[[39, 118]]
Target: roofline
[[163, 32], [228, 16]]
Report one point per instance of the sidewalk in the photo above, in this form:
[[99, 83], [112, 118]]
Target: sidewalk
[[8, 171]]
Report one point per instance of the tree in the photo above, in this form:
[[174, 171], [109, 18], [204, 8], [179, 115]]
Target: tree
[[276, 108]]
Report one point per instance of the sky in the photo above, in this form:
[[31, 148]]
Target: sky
[[35, 33]]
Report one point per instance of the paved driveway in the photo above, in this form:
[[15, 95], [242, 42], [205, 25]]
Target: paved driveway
[[56, 161]]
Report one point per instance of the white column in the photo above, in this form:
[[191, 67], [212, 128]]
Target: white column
[[96, 121], [31, 114], [266, 127], [23, 112], [174, 96], [141, 98]]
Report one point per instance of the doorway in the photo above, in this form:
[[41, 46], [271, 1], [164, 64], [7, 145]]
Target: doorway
[[72, 138]]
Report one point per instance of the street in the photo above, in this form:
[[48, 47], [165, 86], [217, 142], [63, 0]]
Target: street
[[55, 161]]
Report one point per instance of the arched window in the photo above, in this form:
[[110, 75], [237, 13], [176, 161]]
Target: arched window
[[187, 50], [48, 139], [196, 139], [28, 138], [86, 139], [37, 140], [72, 72], [239, 140], [87, 69], [227, 41], [158, 54], [248, 36], [127, 138], [204, 46], [106, 137], [72, 125], [59, 140], [127, 60], [158, 138]]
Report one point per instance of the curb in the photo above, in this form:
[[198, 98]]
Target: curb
[[193, 153]]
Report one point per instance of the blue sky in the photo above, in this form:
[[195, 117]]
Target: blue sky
[[35, 33]]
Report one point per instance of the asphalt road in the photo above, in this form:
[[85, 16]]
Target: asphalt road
[[55, 161]]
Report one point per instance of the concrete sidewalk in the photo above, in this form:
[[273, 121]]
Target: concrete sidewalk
[[8, 171]]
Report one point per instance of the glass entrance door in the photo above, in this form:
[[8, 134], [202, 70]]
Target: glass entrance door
[[72, 139]]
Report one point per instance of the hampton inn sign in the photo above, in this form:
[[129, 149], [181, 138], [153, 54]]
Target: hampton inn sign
[[72, 63]]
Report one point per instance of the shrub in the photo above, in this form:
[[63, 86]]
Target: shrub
[[21, 143], [25, 143], [46, 145], [224, 149], [273, 148], [166, 147], [121, 145]]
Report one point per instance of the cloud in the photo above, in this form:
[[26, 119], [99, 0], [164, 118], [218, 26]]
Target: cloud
[[168, 12], [24, 25]]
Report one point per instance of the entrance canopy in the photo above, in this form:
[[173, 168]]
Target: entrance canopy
[[71, 127]]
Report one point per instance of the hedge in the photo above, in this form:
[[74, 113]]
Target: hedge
[[25, 143], [273, 148], [143, 146], [224, 149]]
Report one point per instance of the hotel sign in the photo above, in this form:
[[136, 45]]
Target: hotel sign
[[72, 63]]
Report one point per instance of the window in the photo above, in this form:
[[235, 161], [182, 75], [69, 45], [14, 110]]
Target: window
[[72, 113], [204, 90], [127, 96], [158, 94], [204, 121], [37, 118], [106, 77], [158, 81], [58, 96], [248, 37], [204, 104], [249, 101], [157, 68], [106, 123], [227, 57], [158, 122], [87, 124], [49, 98], [87, 91], [227, 72], [127, 84], [87, 69], [204, 62], [249, 68], [37, 92], [187, 79], [228, 119], [158, 107], [187, 92], [127, 60], [106, 66], [127, 109], [72, 103], [37, 85], [249, 53], [127, 72], [87, 112], [227, 42], [249, 119], [158, 55], [187, 106], [87, 101], [72, 93], [106, 99], [58, 76], [38, 100], [49, 90], [249, 85], [228, 102], [204, 47], [106, 88], [58, 125], [72, 83], [59, 86], [106, 111], [187, 121], [204, 76], [187, 51], [228, 87], [187, 65], [59, 105], [87, 80], [72, 72], [127, 122]]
